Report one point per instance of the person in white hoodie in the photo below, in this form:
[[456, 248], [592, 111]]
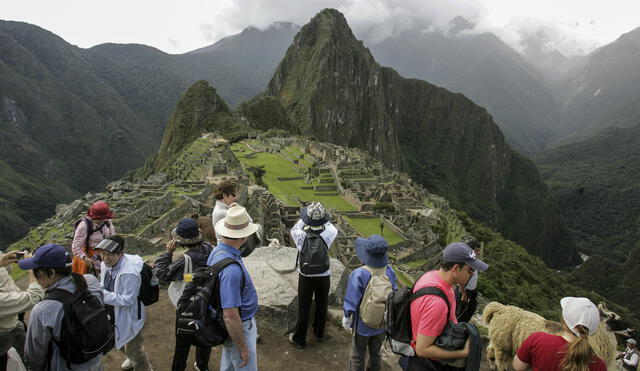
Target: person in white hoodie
[[121, 282]]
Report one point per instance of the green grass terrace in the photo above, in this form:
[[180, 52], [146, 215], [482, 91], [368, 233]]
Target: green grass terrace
[[289, 191]]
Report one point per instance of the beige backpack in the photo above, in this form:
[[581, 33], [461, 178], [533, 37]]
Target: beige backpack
[[374, 298]]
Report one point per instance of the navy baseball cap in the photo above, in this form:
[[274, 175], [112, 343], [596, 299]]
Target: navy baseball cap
[[459, 252], [47, 256]]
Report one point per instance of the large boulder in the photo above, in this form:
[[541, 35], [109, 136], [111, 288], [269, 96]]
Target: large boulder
[[273, 272]]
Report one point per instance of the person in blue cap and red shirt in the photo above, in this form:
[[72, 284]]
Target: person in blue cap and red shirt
[[51, 265], [372, 252], [429, 312]]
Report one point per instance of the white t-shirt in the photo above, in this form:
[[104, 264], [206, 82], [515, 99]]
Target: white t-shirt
[[473, 282]]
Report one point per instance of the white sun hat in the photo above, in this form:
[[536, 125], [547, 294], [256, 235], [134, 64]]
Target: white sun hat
[[236, 224], [580, 311]]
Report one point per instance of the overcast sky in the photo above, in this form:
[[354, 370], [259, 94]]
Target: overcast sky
[[572, 26]]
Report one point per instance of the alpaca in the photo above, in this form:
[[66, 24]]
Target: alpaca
[[509, 326]]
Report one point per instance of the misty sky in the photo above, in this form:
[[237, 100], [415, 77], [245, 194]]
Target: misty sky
[[571, 26]]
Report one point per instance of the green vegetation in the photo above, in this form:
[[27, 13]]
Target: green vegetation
[[369, 226], [520, 279], [416, 263], [443, 140], [596, 182], [289, 191], [449, 229], [404, 279]]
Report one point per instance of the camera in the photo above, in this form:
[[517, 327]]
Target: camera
[[19, 255]]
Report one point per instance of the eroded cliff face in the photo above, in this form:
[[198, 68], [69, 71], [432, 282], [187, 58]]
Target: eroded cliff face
[[334, 90]]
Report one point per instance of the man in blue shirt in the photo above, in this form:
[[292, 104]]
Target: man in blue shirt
[[239, 302], [372, 252]]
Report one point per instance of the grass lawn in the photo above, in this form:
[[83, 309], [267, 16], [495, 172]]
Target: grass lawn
[[416, 263], [277, 166], [369, 226], [404, 279]]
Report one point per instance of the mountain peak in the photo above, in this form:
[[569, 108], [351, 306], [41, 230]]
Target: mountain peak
[[459, 24], [197, 111]]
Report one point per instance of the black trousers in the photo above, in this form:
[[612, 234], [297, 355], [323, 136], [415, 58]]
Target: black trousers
[[181, 353], [308, 288], [422, 364]]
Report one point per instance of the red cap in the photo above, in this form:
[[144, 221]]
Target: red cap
[[100, 210]]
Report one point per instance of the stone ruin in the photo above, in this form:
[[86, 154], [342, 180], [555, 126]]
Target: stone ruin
[[273, 271]]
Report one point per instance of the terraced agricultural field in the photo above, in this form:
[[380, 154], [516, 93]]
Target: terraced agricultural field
[[289, 191], [369, 226]]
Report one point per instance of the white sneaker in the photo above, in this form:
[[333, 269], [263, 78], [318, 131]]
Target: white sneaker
[[126, 365]]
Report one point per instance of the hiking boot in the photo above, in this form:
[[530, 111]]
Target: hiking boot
[[299, 346], [321, 339], [126, 365]]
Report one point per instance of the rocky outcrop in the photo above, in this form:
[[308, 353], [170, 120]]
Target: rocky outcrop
[[335, 91], [273, 272]]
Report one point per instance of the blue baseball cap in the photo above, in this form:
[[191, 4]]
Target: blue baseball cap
[[47, 256], [459, 252], [372, 251]]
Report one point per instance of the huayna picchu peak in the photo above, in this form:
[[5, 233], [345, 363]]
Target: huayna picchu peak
[[334, 91]]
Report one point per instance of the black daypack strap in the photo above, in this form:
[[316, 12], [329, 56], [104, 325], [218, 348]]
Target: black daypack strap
[[219, 267], [432, 290], [67, 299], [222, 264]]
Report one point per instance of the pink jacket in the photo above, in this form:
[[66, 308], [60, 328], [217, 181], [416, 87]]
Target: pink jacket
[[80, 235]]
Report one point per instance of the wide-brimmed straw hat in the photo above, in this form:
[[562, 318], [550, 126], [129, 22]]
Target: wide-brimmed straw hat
[[236, 224]]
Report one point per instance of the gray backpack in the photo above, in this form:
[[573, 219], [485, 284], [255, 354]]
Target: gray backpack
[[371, 309]]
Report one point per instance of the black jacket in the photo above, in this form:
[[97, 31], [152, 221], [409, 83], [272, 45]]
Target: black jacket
[[168, 271]]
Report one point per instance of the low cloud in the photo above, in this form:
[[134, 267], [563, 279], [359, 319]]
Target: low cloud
[[174, 43], [375, 20], [208, 32]]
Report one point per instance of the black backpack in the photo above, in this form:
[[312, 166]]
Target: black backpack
[[86, 329], [397, 317], [149, 289], [314, 254], [199, 309]]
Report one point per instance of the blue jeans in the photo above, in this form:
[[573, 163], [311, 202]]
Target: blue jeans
[[231, 360]]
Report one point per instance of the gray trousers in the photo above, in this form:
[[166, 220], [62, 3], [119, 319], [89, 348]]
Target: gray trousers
[[359, 346], [134, 350]]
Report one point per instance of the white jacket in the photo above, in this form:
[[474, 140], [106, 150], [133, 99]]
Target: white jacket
[[124, 297]]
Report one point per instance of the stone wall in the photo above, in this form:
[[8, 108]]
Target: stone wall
[[264, 208], [139, 217], [168, 219]]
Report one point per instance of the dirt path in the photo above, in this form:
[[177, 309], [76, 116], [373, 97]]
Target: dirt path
[[274, 352]]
